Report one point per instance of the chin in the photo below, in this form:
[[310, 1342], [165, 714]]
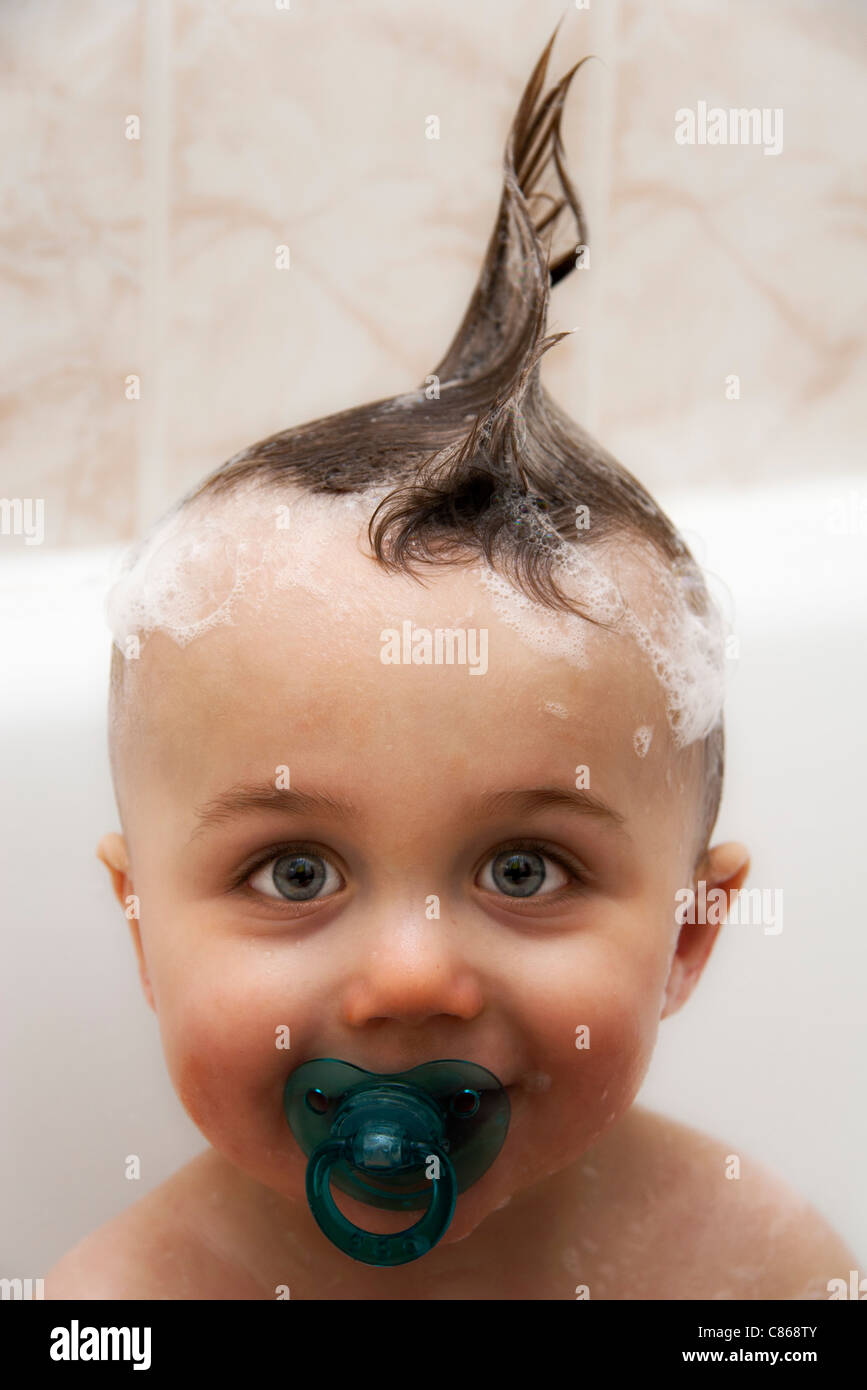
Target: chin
[[466, 1221], [472, 1208], [480, 1202]]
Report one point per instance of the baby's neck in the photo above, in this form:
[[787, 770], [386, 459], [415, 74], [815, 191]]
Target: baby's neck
[[277, 1242]]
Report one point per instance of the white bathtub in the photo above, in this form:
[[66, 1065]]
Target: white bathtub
[[769, 1054]]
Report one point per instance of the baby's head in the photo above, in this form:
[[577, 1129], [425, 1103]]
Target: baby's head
[[416, 733]]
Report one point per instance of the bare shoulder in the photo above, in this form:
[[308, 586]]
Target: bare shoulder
[[725, 1226], [154, 1249]]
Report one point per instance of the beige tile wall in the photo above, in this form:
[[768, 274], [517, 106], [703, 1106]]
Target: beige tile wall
[[263, 126]]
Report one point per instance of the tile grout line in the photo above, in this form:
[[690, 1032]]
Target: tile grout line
[[151, 469]]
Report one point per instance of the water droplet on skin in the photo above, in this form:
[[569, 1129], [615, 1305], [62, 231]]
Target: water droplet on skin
[[551, 707], [536, 1081]]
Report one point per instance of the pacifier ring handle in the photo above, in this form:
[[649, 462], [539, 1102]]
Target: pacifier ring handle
[[401, 1246]]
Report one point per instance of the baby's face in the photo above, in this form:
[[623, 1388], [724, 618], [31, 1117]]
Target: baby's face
[[407, 784]]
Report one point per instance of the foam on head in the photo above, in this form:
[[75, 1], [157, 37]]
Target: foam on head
[[200, 560], [195, 566], [671, 617]]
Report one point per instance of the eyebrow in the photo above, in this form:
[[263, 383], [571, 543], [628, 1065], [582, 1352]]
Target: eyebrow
[[521, 800], [527, 800]]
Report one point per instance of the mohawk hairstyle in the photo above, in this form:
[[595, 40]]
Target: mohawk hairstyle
[[491, 465]]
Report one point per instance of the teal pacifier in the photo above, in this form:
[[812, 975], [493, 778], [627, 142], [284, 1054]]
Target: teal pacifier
[[401, 1140]]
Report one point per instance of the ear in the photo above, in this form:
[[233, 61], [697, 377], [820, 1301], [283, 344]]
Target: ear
[[113, 852], [724, 867]]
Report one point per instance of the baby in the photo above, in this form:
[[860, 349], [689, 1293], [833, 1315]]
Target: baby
[[416, 737]]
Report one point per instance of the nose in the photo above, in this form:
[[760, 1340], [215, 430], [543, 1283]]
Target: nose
[[412, 969]]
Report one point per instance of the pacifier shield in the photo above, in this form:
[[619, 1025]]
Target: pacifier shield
[[398, 1140], [459, 1105]]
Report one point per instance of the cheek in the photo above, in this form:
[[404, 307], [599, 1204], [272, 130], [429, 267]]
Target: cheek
[[220, 1012], [596, 1016], [612, 1057]]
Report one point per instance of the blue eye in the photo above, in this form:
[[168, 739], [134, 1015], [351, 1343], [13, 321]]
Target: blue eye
[[520, 872], [302, 875], [296, 876]]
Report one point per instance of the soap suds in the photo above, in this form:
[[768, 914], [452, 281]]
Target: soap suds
[[685, 648], [641, 739], [194, 566], [199, 561]]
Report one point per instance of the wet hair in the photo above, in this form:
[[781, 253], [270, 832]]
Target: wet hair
[[480, 460]]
